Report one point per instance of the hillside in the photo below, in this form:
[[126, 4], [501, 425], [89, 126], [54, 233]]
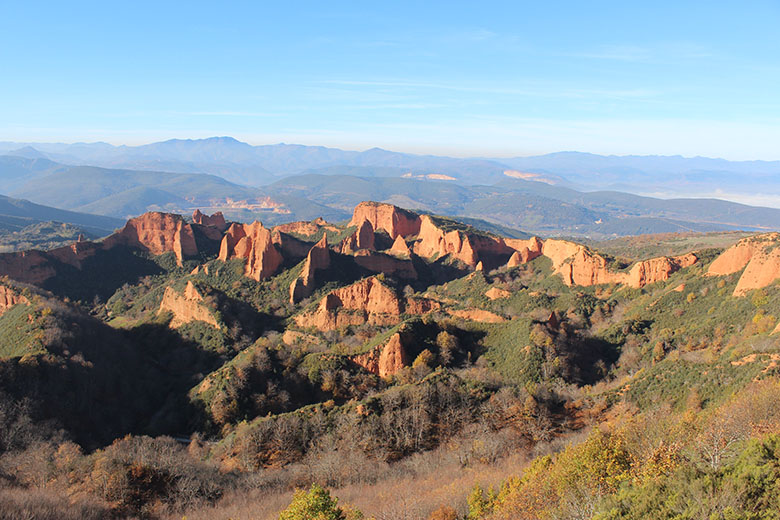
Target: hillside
[[259, 165], [381, 354]]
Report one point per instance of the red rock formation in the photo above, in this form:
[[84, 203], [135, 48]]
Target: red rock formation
[[477, 315], [10, 297], [317, 259], [217, 220], [758, 255], [157, 233], [381, 263], [385, 360], [494, 293], [254, 243], [736, 257], [400, 247], [290, 246], [362, 238], [306, 229], [33, 266], [187, 307], [75, 253], [515, 260], [762, 270], [394, 220], [580, 266], [434, 242], [525, 250], [658, 269], [365, 301]]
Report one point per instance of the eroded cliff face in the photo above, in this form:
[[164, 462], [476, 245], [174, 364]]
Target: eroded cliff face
[[306, 229], [33, 267], [577, 265], [317, 259], [400, 247], [385, 360], [394, 220], [362, 238], [10, 297], [186, 307], [434, 242], [657, 269], [253, 243], [365, 301], [525, 250], [759, 256], [157, 233], [217, 220]]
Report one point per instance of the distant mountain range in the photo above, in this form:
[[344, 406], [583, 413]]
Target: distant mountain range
[[566, 193], [245, 164]]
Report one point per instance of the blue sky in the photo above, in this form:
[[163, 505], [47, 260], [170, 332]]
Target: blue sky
[[458, 78]]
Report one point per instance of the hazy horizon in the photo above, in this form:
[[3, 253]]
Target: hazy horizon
[[469, 80]]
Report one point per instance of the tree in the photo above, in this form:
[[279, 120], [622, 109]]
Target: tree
[[317, 504]]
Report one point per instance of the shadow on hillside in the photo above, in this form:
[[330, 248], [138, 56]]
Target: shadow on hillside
[[99, 383]]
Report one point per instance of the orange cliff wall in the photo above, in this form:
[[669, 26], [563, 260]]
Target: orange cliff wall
[[157, 233], [394, 220], [10, 297], [317, 259], [758, 255], [253, 243], [434, 242], [186, 307]]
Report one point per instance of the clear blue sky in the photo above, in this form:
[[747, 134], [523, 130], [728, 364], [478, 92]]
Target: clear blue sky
[[461, 78]]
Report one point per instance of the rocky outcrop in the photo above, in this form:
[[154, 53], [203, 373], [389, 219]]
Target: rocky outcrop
[[385, 360], [157, 233], [33, 266], [317, 259], [306, 229], [737, 257], [394, 220], [477, 315], [365, 301], [10, 297], [400, 247], [515, 260], [577, 265], [469, 248], [759, 256], [381, 263], [494, 293], [291, 247], [525, 250], [762, 271], [186, 307], [657, 269], [362, 238], [254, 243], [217, 220]]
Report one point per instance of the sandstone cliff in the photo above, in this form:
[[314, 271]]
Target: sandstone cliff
[[579, 266], [10, 297], [759, 256], [365, 301], [157, 233], [385, 360], [362, 238], [381, 263], [186, 307], [318, 258], [400, 247], [469, 248], [217, 220], [394, 220], [306, 229], [254, 243]]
